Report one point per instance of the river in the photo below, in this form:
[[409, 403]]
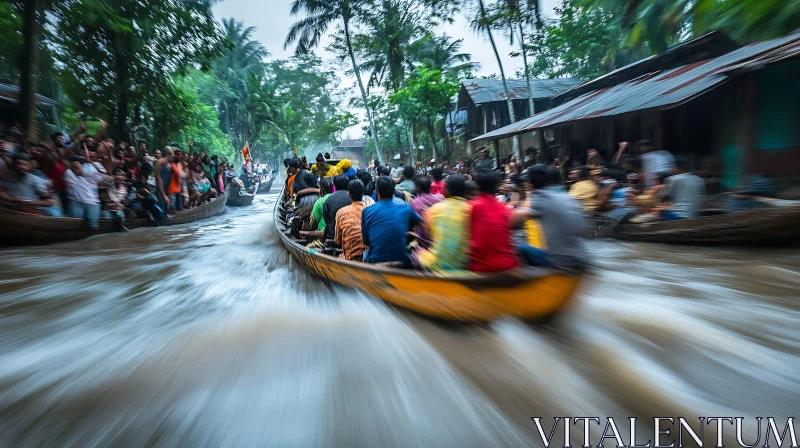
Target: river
[[207, 335]]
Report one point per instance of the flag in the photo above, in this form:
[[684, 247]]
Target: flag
[[246, 153], [294, 148]]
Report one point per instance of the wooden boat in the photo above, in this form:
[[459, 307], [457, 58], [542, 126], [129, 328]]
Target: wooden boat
[[239, 200], [18, 228], [525, 293], [768, 226], [266, 186]]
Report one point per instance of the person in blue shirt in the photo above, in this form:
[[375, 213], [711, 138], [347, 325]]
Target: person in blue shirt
[[384, 226]]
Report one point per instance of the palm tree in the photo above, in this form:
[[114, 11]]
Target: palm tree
[[441, 53], [484, 24], [307, 32], [516, 16], [243, 100]]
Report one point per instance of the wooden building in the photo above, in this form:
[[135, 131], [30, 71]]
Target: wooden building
[[730, 111], [484, 101], [353, 150]]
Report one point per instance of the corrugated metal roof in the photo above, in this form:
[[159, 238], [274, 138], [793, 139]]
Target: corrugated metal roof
[[663, 89], [10, 92], [354, 143], [490, 90]]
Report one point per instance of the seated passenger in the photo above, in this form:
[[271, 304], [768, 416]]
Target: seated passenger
[[321, 169], [407, 180], [344, 168], [348, 223], [385, 225], [448, 223], [437, 187], [336, 201], [585, 189], [686, 192], [325, 191], [490, 228], [399, 197], [421, 203], [562, 221], [25, 192], [305, 188]]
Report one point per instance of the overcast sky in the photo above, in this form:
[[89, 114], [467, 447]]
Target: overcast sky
[[272, 20]]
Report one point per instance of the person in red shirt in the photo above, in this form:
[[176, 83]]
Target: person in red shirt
[[490, 228], [437, 187]]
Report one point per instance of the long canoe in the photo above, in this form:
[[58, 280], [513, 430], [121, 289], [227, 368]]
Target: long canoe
[[266, 186], [240, 200], [770, 226], [529, 293], [18, 228]]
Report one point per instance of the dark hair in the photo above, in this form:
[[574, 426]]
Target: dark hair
[[327, 155], [76, 159], [538, 176], [423, 183], [437, 174], [683, 164], [385, 187], [456, 185], [356, 190], [408, 172], [364, 176], [326, 185], [469, 188], [385, 171], [487, 181], [340, 182], [553, 176], [584, 172], [293, 163], [118, 171]]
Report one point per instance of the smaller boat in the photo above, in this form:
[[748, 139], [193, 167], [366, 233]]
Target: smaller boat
[[778, 225], [17, 228], [236, 196], [264, 187]]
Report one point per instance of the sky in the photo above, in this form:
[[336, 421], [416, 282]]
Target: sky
[[272, 20]]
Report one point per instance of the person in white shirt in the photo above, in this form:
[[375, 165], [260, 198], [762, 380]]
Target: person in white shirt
[[82, 181], [655, 162]]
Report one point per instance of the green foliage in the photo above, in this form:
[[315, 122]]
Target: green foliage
[[10, 41], [427, 93], [135, 47], [583, 42]]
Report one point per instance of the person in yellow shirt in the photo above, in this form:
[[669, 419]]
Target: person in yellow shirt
[[585, 189], [448, 225], [321, 169]]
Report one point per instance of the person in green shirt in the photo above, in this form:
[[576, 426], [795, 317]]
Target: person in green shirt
[[325, 190]]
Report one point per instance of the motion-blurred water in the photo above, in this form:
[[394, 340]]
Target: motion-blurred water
[[208, 335]]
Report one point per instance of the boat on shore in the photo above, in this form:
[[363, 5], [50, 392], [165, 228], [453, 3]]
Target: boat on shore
[[778, 225], [265, 187], [526, 293], [17, 228]]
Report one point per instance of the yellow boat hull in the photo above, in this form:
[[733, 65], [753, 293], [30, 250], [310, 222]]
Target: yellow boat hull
[[523, 293]]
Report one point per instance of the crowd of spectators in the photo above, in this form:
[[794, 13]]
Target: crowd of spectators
[[92, 177]]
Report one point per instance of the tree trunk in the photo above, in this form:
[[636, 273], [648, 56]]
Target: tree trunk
[[432, 133], [357, 72], [511, 115], [29, 66], [531, 107]]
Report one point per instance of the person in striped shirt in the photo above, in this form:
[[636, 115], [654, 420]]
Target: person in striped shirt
[[348, 224]]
